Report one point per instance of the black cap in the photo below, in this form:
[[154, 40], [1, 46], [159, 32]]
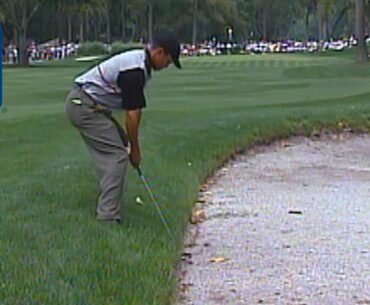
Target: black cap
[[169, 43]]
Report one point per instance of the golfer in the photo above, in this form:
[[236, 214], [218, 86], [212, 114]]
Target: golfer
[[116, 84]]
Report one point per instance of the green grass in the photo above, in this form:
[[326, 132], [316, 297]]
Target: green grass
[[52, 251]]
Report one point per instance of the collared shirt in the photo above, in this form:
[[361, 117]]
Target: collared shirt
[[118, 82]]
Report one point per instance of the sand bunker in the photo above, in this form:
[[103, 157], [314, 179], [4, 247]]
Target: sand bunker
[[287, 224]]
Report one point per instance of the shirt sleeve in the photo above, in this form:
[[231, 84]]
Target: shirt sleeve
[[132, 83]]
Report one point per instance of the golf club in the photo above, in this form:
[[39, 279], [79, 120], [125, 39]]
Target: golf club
[[147, 187]]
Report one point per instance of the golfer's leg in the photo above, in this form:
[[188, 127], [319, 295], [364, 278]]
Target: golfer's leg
[[111, 160]]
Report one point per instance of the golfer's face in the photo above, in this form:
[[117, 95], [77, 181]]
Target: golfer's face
[[161, 60]]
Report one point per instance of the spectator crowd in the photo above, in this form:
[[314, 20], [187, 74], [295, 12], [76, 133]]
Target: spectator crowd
[[54, 49], [58, 49], [214, 47]]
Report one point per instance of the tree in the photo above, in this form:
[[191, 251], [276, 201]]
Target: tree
[[135, 14], [324, 10], [150, 20], [265, 12], [19, 13], [195, 22], [2, 16], [85, 10], [215, 17], [107, 9], [308, 8], [155, 9], [361, 52], [341, 10], [192, 20], [123, 20], [68, 8]]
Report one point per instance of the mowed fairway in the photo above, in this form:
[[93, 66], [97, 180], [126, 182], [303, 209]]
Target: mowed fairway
[[53, 251]]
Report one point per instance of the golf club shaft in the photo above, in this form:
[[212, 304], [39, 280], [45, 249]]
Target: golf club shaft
[[147, 187]]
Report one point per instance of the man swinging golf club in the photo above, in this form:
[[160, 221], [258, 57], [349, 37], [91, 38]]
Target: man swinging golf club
[[116, 84]]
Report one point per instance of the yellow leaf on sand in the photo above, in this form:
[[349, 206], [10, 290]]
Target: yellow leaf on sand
[[198, 216], [219, 259]]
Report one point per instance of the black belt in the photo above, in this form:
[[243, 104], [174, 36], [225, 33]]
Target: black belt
[[81, 88]]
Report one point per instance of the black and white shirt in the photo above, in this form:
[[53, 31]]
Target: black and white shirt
[[118, 82]]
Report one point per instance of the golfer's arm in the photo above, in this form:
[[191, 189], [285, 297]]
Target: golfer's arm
[[132, 126]]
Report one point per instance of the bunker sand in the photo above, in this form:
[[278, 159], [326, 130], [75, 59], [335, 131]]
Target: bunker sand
[[284, 224]]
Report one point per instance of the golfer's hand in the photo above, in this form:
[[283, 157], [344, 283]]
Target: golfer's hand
[[135, 158]]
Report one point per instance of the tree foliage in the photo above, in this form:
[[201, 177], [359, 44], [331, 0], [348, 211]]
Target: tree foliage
[[193, 20]]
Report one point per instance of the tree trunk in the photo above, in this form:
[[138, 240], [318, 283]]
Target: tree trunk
[[361, 50], [325, 30], [87, 26], [81, 27], [150, 20], [367, 17], [107, 20], [69, 25], [97, 26], [340, 17], [195, 21], [321, 20], [133, 32], [61, 34], [22, 55], [123, 20], [15, 35], [320, 25], [307, 23], [264, 20]]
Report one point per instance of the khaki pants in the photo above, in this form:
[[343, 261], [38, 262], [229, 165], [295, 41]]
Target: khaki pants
[[105, 143]]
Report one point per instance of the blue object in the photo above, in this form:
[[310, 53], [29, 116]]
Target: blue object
[[1, 65]]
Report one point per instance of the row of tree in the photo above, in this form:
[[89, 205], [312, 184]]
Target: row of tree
[[193, 20]]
